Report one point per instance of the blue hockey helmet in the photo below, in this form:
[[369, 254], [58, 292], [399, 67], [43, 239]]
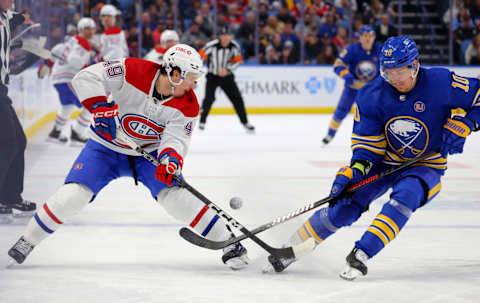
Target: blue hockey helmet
[[397, 52], [367, 29]]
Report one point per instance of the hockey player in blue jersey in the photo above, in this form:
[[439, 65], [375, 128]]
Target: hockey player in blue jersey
[[402, 115], [357, 65]]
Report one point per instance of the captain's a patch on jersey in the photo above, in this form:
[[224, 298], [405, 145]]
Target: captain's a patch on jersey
[[188, 128]]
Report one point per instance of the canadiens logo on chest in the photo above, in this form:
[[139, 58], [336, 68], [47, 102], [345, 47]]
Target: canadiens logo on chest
[[141, 128], [407, 136]]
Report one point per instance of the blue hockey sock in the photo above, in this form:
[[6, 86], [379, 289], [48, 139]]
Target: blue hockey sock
[[384, 228]]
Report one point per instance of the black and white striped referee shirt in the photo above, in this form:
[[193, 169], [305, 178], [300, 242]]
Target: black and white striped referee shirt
[[5, 36], [8, 21], [218, 57]]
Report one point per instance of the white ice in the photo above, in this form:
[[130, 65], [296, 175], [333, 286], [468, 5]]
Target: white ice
[[125, 248]]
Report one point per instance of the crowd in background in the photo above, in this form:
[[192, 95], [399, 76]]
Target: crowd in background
[[325, 27]]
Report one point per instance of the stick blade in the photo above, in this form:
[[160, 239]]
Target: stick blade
[[198, 240]]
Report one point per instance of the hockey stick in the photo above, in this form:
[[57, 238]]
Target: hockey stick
[[24, 31], [36, 47], [286, 252], [202, 242]]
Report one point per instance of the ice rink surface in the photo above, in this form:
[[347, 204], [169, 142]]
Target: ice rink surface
[[125, 248]]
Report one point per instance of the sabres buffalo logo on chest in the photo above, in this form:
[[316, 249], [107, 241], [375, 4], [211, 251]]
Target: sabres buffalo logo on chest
[[366, 70], [407, 136], [141, 128]]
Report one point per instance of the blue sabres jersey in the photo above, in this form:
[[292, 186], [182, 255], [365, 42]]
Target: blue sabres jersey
[[393, 127], [363, 65]]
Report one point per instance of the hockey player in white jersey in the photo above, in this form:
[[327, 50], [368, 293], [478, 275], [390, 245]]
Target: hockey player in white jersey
[[113, 44], [76, 54], [154, 106], [168, 39]]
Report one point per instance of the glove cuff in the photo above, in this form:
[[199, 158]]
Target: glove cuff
[[458, 127]]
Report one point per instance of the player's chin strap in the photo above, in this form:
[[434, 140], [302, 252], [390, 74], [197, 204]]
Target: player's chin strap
[[286, 252]]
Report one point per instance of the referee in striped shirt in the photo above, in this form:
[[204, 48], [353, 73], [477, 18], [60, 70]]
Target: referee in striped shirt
[[223, 57], [12, 138]]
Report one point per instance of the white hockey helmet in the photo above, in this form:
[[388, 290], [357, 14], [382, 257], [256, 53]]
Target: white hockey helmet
[[109, 10], [84, 23], [168, 35], [186, 59]]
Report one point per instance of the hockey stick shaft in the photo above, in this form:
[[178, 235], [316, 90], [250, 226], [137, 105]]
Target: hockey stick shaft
[[287, 252], [195, 239], [24, 31]]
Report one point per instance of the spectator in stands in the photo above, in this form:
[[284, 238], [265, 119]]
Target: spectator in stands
[[313, 47], [327, 56], [475, 12], [288, 34], [341, 39], [284, 16], [262, 13], [234, 17], [308, 22], [384, 29], [246, 35], [288, 55], [329, 26], [277, 43], [207, 25], [161, 26], [194, 37], [473, 50], [271, 56], [273, 26], [463, 36], [457, 5]]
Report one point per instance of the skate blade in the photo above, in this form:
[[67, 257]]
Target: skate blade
[[56, 141], [238, 262], [6, 219], [23, 214], [76, 143], [11, 263], [268, 269], [350, 273]]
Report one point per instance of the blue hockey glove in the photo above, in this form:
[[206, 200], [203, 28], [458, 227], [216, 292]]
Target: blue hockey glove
[[104, 119], [345, 177], [349, 79], [455, 131]]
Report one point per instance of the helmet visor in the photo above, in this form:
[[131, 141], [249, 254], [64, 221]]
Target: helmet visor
[[397, 74], [192, 77]]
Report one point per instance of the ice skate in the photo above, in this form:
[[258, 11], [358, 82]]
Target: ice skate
[[201, 126], [355, 265], [24, 208], [6, 215], [56, 136], [76, 139], [249, 127], [235, 256], [20, 250], [277, 264], [326, 140]]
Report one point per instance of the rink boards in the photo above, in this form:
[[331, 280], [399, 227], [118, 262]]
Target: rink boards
[[265, 89]]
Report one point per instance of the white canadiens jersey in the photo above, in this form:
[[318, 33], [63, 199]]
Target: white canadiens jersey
[[156, 55], [113, 44], [76, 52], [151, 123]]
